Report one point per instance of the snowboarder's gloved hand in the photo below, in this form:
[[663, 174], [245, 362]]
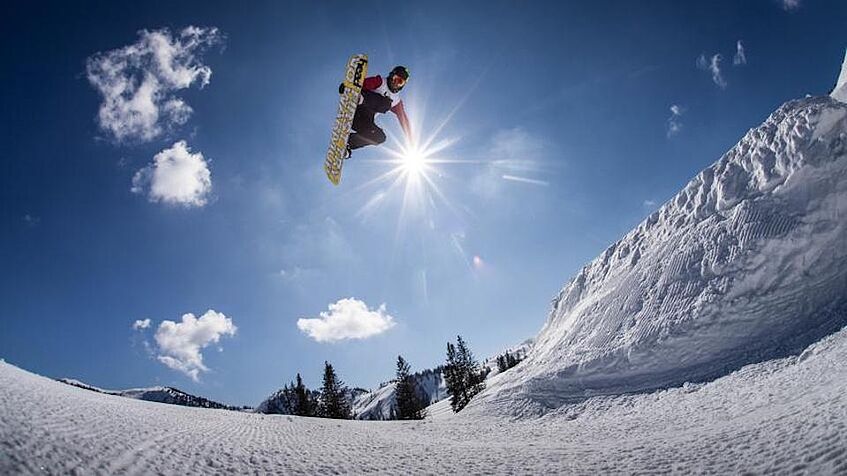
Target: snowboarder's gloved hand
[[341, 88]]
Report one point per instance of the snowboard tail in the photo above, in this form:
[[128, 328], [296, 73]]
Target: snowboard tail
[[350, 90]]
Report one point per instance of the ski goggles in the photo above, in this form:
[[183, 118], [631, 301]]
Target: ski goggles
[[398, 81]]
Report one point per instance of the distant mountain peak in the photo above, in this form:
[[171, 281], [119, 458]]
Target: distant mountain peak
[[159, 394]]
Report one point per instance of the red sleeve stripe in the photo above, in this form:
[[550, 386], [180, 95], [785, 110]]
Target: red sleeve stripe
[[372, 83]]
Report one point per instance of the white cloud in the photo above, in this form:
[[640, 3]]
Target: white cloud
[[176, 176], [790, 4], [141, 324], [137, 82], [347, 319], [740, 57], [180, 344], [674, 122], [713, 65]]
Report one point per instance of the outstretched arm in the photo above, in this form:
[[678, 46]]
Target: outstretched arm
[[400, 111]]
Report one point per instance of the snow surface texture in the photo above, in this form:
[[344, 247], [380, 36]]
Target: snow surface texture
[[787, 415], [747, 263], [840, 90]]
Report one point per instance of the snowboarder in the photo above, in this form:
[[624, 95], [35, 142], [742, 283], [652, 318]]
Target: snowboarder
[[378, 97]]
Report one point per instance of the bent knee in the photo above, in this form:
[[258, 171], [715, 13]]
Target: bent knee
[[379, 136]]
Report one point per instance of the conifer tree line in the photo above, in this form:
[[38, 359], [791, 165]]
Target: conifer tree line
[[330, 401], [507, 361], [333, 399], [462, 374], [294, 399]]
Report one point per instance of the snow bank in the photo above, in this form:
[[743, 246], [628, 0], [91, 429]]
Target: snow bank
[[777, 417], [840, 90], [747, 263]]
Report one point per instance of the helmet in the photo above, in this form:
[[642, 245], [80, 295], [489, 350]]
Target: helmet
[[400, 72]]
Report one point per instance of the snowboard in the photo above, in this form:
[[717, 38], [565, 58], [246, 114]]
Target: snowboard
[[350, 90]]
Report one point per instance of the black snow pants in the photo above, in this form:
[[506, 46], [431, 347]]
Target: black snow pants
[[366, 131]]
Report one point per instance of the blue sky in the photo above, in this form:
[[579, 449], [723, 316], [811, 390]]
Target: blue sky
[[558, 138]]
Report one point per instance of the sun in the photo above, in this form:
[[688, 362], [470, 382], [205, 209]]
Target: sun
[[412, 181], [413, 162]]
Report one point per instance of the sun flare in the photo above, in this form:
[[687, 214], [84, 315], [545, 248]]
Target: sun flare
[[413, 162], [413, 182]]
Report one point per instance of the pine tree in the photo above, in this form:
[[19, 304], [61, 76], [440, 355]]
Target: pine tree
[[282, 401], [474, 377], [453, 379], [507, 361], [462, 374], [501, 362], [303, 405], [333, 401], [408, 405], [512, 360]]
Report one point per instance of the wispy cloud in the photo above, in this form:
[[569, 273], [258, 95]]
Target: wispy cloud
[[790, 5], [675, 122], [31, 220], [347, 319], [180, 344], [138, 82], [713, 65], [516, 178], [740, 57], [514, 155], [176, 176], [313, 247], [141, 324]]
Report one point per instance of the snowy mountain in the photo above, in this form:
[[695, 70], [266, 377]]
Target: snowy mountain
[[377, 404], [169, 395], [747, 263]]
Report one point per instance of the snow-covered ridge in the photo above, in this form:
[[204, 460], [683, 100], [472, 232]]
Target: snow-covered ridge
[[748, 262], [158, 394]]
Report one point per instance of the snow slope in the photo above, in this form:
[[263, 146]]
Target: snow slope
[[376, 404], [747, 263], [787, 415], [840, 90]]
